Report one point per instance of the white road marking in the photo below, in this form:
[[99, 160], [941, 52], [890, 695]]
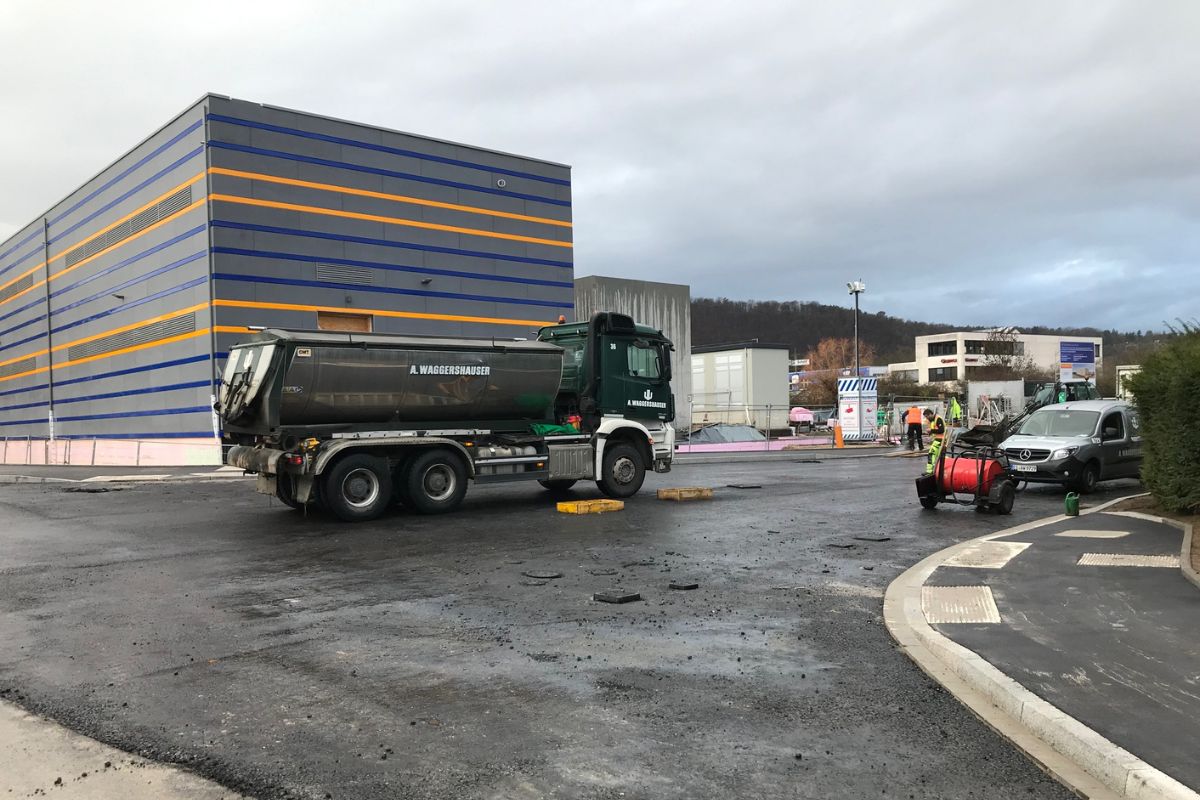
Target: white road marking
[[1127, 560], [944, 605], [1086, 534], [986, 555]]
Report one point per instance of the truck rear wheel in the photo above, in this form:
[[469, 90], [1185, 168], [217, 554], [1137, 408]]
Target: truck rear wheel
[[435, 482], [358, 487], [623, 471]]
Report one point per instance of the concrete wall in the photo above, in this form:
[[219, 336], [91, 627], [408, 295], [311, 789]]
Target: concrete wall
[[104, 305], [666, 306], [311, 214]]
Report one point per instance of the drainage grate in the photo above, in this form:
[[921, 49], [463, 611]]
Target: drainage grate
[[987, 555], [156, 330], [138, 222], [953, 605], [342, 273], [1127, 560]]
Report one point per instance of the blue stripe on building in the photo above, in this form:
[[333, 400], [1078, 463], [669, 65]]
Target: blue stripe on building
[[387, 173], [380, 148], [481, 276], [353, 287], [338, 237]]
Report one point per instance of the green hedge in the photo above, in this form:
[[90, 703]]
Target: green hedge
[[1167, 392]]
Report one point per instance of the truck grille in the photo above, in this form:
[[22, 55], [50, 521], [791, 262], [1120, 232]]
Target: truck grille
[[1027, 454]]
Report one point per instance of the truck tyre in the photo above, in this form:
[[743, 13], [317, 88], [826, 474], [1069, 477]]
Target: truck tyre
[[558, 485], [1085, 482], [435, 482], [358, 487], [623, 471]]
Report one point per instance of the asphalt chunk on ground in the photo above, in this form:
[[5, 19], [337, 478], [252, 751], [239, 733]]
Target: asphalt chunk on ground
[[281, 654]]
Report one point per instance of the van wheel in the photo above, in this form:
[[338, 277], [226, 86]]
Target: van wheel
[[1086, 481], [623, 471], [558, 485], [358, 487], [435, 482]]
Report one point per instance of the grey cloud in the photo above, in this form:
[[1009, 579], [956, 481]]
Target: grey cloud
[[1038, 161]]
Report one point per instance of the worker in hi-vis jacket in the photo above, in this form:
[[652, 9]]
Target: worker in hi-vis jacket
[[937, 436]]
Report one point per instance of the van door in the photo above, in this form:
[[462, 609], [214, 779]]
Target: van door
[[1133, 467], [1114, 444]]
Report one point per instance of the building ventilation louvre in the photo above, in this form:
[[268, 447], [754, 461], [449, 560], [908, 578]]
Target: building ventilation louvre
[[24, 365], [148, 333], [17, 287], [339, 273], [139, 222]]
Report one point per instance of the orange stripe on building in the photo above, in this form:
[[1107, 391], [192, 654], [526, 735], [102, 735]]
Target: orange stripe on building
[[397, 198], [411, 223], [374, 312]]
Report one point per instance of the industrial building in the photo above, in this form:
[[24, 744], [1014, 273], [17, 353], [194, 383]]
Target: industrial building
[[118, 305], [944, 357], [742, 384], [666, 306]]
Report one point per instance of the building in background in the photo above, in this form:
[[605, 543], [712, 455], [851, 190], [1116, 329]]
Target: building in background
[[741, 384], [118, 305], [666, 306], [944, 357]]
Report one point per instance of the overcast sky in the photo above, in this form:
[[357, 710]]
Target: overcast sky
[[973, 162]]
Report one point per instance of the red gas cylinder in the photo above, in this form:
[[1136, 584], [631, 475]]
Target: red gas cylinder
[[961, 474]]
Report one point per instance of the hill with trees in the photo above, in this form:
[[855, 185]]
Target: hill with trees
[[802, 325]]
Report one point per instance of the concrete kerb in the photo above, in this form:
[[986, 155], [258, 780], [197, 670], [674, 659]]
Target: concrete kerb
[[1074, 754], [801, 456], [124, 478]]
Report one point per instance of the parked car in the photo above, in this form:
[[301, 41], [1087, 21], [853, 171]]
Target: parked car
[[1077, 444]]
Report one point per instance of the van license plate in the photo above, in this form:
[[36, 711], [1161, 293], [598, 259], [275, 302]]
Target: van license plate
[[1025, 468]]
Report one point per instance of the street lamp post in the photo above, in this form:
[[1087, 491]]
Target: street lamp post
[[856, 288]]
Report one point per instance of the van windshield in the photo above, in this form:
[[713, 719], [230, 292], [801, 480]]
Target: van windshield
[[1057, 422]]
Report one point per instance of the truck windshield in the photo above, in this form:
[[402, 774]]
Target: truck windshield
[[1058, 422]]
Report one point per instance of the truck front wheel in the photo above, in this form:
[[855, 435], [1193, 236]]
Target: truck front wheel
[[436, 482], [358, 487], [623, 470]]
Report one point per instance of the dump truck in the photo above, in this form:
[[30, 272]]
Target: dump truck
[[356, 422]]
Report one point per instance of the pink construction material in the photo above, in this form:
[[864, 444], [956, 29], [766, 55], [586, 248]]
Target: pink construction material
[[112, 452], [751, 447]]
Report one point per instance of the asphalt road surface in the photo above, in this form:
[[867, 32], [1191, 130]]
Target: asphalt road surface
[[414, 657]]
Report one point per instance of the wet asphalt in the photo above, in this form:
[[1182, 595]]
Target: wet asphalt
[[287, 655]]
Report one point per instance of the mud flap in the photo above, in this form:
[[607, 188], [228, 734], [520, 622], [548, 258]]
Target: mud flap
[[927, 486], [265, 484]]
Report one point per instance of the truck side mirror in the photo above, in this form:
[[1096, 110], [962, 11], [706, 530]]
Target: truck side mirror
[[1111, 432]]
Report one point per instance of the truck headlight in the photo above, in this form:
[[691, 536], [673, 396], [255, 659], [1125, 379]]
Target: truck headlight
[[1065, 452]]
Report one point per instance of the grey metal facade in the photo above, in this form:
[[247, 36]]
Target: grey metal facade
[[118, 305], [666, 306]]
